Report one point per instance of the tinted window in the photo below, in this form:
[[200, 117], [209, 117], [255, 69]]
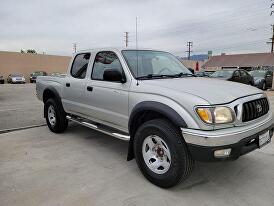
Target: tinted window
[[80, 65], [243, 73], [103, 61], [236, 73]]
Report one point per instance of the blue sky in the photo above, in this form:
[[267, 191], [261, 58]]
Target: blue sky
[[219, 25]]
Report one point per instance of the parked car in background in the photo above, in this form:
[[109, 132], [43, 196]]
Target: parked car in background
[[57, 74], [2, 81], [262, 78], [203, 73], [16, 78], [234, 75], [34, 75]]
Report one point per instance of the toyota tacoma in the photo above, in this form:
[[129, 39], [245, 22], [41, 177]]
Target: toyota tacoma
[[170, 117]]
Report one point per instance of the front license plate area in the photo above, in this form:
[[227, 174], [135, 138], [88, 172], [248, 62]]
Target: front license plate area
[[264, 139]]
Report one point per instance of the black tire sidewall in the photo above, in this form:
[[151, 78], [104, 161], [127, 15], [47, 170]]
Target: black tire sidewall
[[61, 122], [176, 148]]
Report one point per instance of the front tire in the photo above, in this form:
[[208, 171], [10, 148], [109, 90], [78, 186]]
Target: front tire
[[55, 116], [162, 154]]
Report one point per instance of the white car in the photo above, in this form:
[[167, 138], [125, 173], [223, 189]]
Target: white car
[[16, 78]]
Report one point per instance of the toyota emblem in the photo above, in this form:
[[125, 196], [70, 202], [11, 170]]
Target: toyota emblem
[[259, 108]]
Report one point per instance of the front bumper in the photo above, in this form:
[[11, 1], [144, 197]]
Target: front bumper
[[18, 81], [202, 144]]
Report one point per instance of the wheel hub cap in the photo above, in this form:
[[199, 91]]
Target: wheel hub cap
[[51, 115], [156, 154]]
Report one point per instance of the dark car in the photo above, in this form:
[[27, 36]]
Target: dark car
[[235, 75], [34, 75], [203, 73], [16, 79], [2, 81], [262, 78]]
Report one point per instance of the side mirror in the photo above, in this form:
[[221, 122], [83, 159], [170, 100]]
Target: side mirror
[[113, 75]]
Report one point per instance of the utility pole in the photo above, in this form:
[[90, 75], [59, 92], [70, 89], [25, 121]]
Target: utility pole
[[126, 38], [272, 40], [74, 47], [272, 7], [189, 45]]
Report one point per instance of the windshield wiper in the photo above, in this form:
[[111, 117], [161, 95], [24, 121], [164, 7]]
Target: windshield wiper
[[182, 74], [152, 76], [158, 76]]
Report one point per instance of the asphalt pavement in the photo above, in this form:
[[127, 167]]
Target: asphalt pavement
[[19, 106]]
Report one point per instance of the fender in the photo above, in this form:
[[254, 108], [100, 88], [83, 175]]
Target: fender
[[158, 107], [50, 92]]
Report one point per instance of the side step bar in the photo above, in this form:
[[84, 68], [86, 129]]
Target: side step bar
[[99, 128]]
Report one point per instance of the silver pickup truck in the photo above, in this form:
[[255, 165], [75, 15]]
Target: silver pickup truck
[[170, 117]]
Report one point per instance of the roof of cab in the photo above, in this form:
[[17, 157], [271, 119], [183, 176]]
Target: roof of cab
[[116, 49]]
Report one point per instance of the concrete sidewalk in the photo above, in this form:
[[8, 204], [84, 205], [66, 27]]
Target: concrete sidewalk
[[83, 167]]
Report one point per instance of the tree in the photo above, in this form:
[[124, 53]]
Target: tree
[[29, 51]]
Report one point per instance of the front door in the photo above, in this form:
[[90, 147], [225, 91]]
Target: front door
[[107, 101]]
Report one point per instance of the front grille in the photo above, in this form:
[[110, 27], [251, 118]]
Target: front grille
[[254, 109]]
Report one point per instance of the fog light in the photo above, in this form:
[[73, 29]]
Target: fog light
[[222, 153]]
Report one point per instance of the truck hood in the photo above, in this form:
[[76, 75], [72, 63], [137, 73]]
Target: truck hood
[[214, 91]]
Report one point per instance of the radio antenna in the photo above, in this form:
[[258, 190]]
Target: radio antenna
[[136, 38]]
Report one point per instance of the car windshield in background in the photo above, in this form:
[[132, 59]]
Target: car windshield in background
[[257, 73], [222, 73], [37, 73], [154, 64], [16, 75]]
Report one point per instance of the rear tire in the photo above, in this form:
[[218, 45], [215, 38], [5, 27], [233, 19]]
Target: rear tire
[[180, 165], [55, 116]]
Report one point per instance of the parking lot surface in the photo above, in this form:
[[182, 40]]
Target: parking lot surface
[[19, 106], [84, 167]]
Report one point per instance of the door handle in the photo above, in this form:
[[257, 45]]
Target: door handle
[[67, 84], [89, 88]]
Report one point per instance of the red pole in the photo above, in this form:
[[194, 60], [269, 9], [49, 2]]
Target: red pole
[[197, 66]]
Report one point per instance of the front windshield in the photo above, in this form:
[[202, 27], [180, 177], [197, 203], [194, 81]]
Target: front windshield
[[153, 63], [257, 73], [222, 73]]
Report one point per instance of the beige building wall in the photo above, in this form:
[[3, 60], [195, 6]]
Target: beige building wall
[[15, 62]]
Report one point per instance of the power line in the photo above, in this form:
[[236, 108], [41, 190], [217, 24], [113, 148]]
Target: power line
[[189, 45], [126, 38]]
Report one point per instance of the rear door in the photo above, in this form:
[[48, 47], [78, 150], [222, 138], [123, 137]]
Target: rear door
[[74, 85]]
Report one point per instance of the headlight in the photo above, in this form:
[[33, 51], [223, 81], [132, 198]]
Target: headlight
[[215, 115]]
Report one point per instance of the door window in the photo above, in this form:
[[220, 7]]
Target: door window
[[80, 65], [243, 73], [236, 74], [103, 61]]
